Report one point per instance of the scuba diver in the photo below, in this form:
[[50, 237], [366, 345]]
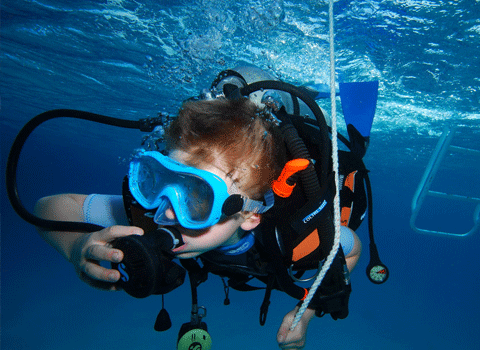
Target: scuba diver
[[238, 184]]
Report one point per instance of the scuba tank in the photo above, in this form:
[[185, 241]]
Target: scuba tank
[[242, 76]]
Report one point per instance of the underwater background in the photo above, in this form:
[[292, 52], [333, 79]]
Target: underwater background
[[134, 59]]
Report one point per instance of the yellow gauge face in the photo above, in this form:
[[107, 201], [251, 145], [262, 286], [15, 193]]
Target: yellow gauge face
[[378, 273]]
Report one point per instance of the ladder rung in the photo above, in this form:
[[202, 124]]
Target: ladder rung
[[466, 150], [423, 189], [454, 196]]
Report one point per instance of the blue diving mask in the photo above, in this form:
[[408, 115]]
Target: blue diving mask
[[198, 198]]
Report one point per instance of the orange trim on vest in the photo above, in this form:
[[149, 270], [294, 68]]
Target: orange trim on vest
[[350, 180], [346, 212], [307, 246], [345, 216]]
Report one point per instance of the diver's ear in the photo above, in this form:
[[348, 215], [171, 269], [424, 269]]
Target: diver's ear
[[251, 221]]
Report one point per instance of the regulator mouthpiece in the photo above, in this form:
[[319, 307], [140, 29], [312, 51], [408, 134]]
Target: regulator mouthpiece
[[173, 238]]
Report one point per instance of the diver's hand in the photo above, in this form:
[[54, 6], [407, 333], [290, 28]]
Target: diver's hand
[[294, 340], [91, 248]]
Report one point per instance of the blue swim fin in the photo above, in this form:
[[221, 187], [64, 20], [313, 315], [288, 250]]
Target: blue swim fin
[[359, 101], [317, 91]]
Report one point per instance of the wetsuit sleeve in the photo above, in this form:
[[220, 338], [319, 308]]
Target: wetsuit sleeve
[[346, 240], [104, 210]]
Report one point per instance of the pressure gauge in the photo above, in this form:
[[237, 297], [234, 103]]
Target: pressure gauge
[[377, 273]]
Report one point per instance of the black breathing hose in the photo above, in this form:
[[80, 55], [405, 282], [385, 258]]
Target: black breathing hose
[[312, 185], [13, 157]]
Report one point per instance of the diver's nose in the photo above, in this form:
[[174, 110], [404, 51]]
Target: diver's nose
[[170, 214], [165, 214]]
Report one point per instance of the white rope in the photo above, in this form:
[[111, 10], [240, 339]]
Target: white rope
[[336, 216]]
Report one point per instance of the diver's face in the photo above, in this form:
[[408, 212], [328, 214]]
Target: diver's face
[[225, 232]]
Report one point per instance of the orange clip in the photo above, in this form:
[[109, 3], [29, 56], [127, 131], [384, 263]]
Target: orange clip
[[280, 186]]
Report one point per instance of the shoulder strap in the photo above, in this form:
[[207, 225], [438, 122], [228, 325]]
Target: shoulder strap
[[332, 296], [353, 197]]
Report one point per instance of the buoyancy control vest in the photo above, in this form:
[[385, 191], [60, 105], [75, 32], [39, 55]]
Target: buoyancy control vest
[[293, 243], [259, 263]]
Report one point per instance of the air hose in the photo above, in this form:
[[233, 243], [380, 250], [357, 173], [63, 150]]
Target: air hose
[[296, 146], [310, 181], [12, 162]]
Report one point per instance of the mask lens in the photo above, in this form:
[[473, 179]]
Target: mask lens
[[150, 178], [186, 199], [199, 201]]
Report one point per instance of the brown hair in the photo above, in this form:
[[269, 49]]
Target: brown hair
[[238, 132]]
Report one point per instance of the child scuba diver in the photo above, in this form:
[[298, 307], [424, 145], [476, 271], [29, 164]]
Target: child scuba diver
[[210, 193]]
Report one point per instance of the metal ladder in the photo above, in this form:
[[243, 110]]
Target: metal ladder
[[423, 189]]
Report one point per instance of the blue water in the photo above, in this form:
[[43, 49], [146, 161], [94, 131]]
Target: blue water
[[133, 59]]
